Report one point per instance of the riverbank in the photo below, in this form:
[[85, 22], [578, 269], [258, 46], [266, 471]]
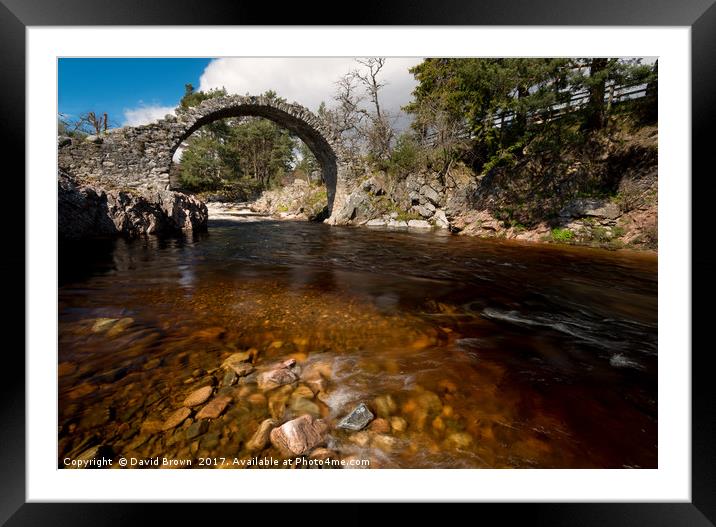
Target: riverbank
[[602, 194]]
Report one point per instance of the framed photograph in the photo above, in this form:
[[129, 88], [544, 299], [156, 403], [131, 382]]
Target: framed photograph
[[452, 244]]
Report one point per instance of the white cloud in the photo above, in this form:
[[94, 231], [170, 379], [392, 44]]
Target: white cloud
[[306, 81], [144, 114]]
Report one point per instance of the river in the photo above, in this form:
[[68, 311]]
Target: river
[[476, 353]]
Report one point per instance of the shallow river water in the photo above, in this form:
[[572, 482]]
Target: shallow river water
[[471, 353]]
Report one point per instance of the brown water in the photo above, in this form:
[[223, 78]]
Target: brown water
[[495, 354]]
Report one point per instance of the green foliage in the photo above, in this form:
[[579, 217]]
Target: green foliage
[[194, 98], [488, 111], [239, 156], [308, 162], [562, 235], [405, 157]]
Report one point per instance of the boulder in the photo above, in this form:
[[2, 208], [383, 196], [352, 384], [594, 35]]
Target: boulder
[[441, 220], [430, 194], [426, 210], [418, 224], [299, 436]]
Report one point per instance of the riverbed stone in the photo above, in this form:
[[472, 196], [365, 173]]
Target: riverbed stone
[[82, 391], [196, 429], [103, 324], [257, 399], [384, 442], [385, 405], [215, 407], [460, 439], [229, 378], [261, 435], [238, 363], [357, 419], [176, 418], [277, 401], [302, 391], [361, 438], [279, 376], [301, 405], [380, 425], [323, 454], [198, 397], [120, 326], [66, 368], [398, 424], [299, 436]]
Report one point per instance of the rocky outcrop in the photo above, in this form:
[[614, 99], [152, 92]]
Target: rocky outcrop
[[88, 211], [299, 200]]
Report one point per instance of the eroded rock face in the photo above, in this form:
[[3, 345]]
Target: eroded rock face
[[299, 436], [87, 211]]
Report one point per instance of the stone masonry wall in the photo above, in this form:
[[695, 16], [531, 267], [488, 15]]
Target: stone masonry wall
[[141, 157]]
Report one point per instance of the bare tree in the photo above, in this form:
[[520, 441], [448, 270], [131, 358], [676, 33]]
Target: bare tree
[[379, 131], [85, 123]]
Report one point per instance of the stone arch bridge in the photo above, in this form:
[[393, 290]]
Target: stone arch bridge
[[141, 156]]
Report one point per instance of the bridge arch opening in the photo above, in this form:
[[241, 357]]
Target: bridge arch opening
[[297, 120]]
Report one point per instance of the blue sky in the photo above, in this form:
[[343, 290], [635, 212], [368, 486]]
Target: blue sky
[[118, 85], [138, 91]]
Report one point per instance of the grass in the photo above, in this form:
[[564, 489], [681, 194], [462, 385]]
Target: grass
[[562, 235], [408, 215]]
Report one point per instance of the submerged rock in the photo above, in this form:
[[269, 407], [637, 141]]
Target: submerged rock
[[261, 436], [299, 436], [278, 376], [358, 419], [176, 419], [301, 405], [398, 424], [239, 363], [215, 407], [196, 429], [380, 425], [323, 454], [198, 397]]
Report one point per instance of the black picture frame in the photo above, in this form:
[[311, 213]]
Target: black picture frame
[[699, 15]]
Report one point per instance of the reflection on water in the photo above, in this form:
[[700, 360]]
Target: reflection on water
[[472, 353]]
